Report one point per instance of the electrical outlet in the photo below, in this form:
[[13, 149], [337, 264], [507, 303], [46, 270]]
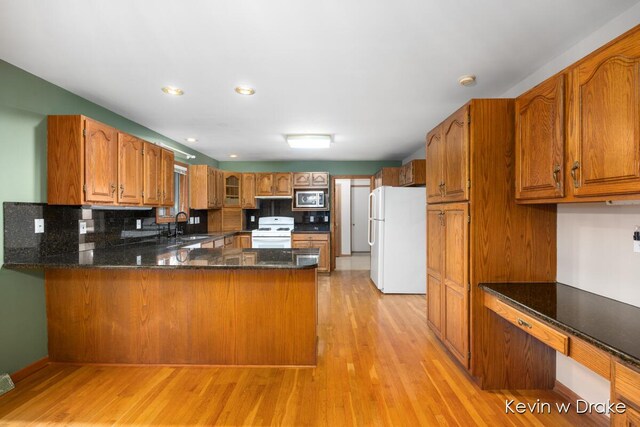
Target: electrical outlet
[[139, 260], [39, 226], [82, 227], [197, 220], [253, 218], [192, 220], [311, 218], [138, 224], [326, 219]]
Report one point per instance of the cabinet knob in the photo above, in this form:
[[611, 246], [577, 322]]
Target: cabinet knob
[[556, 175]]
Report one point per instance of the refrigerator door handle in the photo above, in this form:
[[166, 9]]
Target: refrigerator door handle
[[370, 224], [369, 232]]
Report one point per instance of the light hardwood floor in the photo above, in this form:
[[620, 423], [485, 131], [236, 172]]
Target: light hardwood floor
[[378, 365]]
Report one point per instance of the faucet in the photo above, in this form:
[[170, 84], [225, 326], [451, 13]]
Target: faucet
[[179, 232]]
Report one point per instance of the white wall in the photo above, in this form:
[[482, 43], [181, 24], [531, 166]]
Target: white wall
[[345, 214], [594, 241], [418, 154]]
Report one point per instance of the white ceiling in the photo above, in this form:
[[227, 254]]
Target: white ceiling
[[376, 74]]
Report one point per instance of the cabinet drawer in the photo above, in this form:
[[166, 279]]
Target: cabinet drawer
[[551, 337], [312, 237], [627, 384], [590, 356]]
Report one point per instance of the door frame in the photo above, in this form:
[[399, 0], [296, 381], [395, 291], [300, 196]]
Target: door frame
[[351, 212], [332, 210]]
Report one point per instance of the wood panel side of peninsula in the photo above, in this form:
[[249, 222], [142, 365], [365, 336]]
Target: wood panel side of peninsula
[[203, 317]]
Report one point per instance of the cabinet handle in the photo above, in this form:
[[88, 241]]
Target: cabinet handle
[[121, 190], [158, 194], [524, 323], [441, 216], [556, 175], [574, 168], [113, 188]]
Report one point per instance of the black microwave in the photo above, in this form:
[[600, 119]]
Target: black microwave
[[310, 199]]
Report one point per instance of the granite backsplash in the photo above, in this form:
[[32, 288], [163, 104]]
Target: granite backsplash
[[304, 220], [105, 228]]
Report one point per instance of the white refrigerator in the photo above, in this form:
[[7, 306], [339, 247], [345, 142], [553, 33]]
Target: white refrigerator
[[397, 236]]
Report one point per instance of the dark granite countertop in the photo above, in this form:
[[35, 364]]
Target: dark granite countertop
[[167, 253], [610, 325]]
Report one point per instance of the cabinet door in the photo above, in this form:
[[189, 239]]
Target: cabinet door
[[211, 188], [302, 179], [323, 259], [319, 179], [455, 328], [434, 163], [605, 97], [540, 141], [248, 190], [130, 169], [435, 257], [244, 241], [168, 159], [282, 184], [401, 175], [101, 162], [455, 137], [220, 190], [264, 184], [232, 189], [152, 174], [408, 174]]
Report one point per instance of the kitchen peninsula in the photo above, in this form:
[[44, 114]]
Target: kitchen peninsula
[[173, 301]]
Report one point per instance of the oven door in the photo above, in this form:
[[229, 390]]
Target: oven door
[[271, 242]]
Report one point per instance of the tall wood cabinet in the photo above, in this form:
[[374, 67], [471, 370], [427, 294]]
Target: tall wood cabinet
[[578, 132], [476, 233], [206, 187], [90, 163]]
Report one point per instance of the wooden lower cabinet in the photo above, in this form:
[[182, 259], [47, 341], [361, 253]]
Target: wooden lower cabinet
[[243, 240], [182, 316], [625, 388], [315, 240], [448, 276]]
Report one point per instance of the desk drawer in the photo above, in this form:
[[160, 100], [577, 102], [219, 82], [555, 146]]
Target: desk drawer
[[627, 384], [312, 237], [551, 337]]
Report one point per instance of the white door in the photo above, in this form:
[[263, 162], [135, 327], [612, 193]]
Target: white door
[[359, 219]]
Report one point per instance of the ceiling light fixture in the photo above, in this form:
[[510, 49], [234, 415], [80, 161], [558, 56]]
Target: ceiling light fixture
[[190, 139], [245, 90], [233, 156], [170, 90], [467, 80], [309, 141]]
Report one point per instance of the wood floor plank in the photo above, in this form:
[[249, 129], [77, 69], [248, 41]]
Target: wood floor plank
[[379, 365]]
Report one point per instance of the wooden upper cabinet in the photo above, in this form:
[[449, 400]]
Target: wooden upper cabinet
[[168, 160], [264, 184], [101, 162], [248, 191], [540, 141], [604, 124], [319, 179], [455, 137], [130, 169], [301, 179], [282, 184], [434, 165], [232, 189], [412, 173], [152, 184], [219, 189]]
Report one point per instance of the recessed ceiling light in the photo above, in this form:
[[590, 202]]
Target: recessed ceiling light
[[245, 90], [467, 80], [309, 141], [170, 90], [191, 139], [233, 156]]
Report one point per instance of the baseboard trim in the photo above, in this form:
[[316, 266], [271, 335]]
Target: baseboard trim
[[571, 396], [31, 369]]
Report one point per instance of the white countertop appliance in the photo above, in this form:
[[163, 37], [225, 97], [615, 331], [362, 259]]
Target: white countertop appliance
[[397, 230], [272, 232]]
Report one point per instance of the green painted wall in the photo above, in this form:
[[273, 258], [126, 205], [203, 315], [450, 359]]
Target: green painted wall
[[333, 167], [25, 102]]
